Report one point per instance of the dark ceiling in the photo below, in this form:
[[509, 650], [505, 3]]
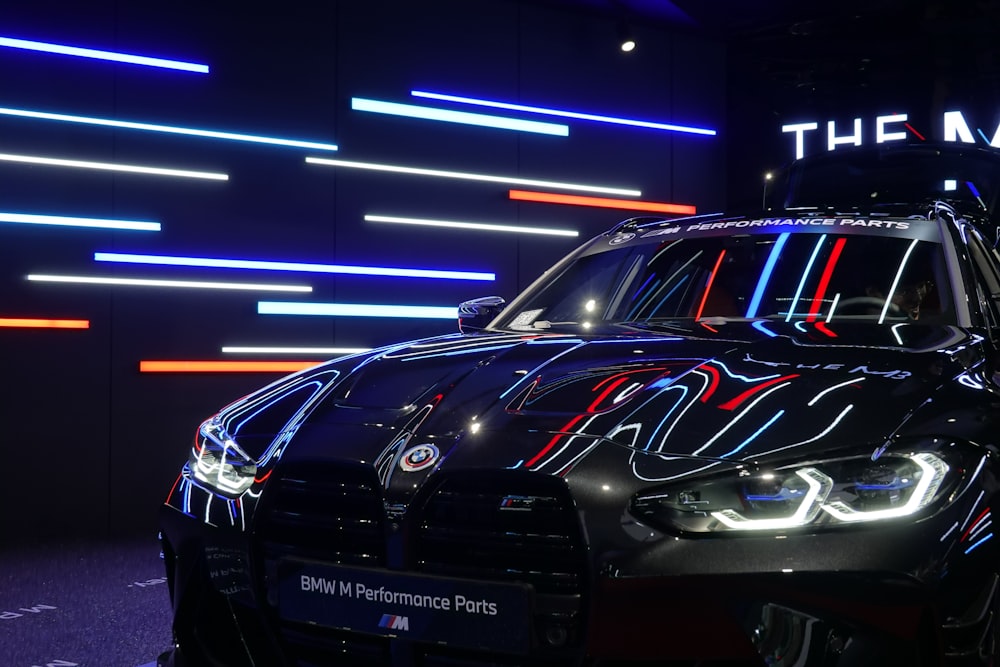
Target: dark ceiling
[[816, 50]]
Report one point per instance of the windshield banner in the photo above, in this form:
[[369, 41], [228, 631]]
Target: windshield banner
[[910, 228]]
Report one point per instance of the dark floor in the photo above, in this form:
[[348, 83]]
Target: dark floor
[[87, 604]]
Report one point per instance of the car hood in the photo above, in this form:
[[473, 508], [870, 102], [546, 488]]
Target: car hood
[[658, 404]]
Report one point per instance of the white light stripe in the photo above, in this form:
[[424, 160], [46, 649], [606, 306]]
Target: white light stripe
[[740, 416], [975, 505], [172, 129], [553, 455], [481, 226], [951, 530], [833, 306], [356, 310], [261, 265], [143, 282], [895, 281], [62, 49], [805, 276], [835, 387], [67, 221], [229, 349], [980, 528], [461, 117], [112, 166], [821, 434], [895, 332], [419, 171], [670, 127]]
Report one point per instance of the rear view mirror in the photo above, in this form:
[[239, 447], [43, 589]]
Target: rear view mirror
[[475, 314]]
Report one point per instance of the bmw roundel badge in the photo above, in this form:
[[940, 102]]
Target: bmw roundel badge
[[621, 238], [419, 457]]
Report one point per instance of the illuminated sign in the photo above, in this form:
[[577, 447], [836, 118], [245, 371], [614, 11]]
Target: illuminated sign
[[894, 127]]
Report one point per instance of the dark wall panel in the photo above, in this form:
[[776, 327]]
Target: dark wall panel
[[93, 444]]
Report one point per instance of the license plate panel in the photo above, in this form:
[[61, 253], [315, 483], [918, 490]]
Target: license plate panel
[[458, 612]]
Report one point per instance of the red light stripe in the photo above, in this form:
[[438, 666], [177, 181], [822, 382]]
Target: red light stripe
[[553, 441], [225, 366], [821, 326], [614, 385], [910, 128], [716, 378], [824, 280], [708, 287], [602, 202], [975, 523], [735, 402], [36, 323]]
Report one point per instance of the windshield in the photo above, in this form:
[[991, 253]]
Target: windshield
[[893, 276]]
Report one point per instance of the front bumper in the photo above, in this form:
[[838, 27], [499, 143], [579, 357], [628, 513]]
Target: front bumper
[[604, 591], [226, 615]]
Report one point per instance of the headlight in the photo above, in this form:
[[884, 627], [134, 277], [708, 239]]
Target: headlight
[[218, 462], [842, 491]]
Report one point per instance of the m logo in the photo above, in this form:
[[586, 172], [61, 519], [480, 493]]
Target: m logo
[[395, 622]]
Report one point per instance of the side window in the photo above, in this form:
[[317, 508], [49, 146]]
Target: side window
[[986, 263]]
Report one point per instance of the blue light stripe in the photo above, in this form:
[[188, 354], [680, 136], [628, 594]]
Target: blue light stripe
[[763, 428], [132, 59], [459, 352], [356, 310], [760, 326], [673, 289], [765, 275], [646, 295], [461, 117], [303, 267], [171, 129], [67, 221], [669, 127], [805, 275], [967, 551]]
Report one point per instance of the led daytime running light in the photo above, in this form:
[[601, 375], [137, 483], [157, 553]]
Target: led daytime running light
[[933, 472], [219, 462], [820, 486]]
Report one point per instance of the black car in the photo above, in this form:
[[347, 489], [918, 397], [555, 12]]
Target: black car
[[764, 439]]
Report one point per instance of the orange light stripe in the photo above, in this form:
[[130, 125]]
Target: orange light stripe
[[33, 323], [602, 202], [225, 366]]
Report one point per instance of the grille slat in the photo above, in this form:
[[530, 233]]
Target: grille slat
[[330, 513], [495, 528], [318, 647]]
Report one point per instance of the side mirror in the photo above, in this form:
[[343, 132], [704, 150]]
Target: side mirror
[[475, 314]]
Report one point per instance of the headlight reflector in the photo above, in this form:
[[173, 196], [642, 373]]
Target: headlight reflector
[[217, 461], [906, 493], [809, 500], [842, 491]]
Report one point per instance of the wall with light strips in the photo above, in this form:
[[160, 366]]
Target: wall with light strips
[[293, 182]]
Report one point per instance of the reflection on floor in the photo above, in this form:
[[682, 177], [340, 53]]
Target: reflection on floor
[[86, 604]]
